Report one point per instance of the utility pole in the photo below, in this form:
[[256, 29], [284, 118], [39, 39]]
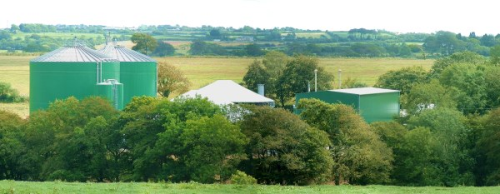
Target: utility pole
[[340, 79], [315, 80]]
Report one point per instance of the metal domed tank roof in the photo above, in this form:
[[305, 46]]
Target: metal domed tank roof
[[73, 54], [123, 54]]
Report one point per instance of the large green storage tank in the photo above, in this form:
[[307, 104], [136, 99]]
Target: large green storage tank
[[69, 71], [373, 104], [112, 90], [138, 72]]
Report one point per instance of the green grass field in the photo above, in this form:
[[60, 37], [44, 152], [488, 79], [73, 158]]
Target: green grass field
[[204, 70], [90, 188]]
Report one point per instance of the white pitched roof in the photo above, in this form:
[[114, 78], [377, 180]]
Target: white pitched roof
[[227, 92], [364, 91]]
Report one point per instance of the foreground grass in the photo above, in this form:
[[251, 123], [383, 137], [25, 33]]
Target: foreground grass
[[65, 187]]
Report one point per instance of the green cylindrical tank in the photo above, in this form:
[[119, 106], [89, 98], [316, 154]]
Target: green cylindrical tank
[[112, 90], [138, 72], [68, 71]]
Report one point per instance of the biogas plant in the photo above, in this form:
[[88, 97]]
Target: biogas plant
[[114, 72]]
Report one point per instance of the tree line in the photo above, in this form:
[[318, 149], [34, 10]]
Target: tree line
[[448, 136], [357, 42]]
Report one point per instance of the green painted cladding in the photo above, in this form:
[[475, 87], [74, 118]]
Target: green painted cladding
[[112, 91], [139, 79], [59, 80], [329, 97], [379, 107], [110, 70], [372, 107]]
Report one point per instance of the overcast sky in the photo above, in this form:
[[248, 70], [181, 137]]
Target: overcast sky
[[459, 16]]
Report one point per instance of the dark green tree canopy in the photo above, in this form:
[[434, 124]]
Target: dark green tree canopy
[[298, 75], [403, 79], [164, 49], [283, 149], [256, 74], [360, 157], [144, 43]]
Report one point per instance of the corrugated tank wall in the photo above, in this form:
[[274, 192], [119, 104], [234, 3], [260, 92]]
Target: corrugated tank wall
[[138, 72], [69, 71]]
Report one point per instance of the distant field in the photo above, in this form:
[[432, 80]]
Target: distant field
[[91, 188], [21, 109], [59, 35], [204, 70], [307, 34]]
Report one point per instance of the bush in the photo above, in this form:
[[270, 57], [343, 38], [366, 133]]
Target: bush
[[241, 178], [7, 94]]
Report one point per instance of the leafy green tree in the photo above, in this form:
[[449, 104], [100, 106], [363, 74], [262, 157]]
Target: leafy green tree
[[171, 79], [253, 50], [359, 156], [215, 33], [14, 28], [212, 148], [199, 47], [268, 73], [352, 83], [487, 40], [488, 166], [164, 49], [445, 43], [429, 95], [456, 58], [393, 134], [491, 75], [469, 81], [283, 149], [403, 79], [367, 49], [5, 35], [495, 55], [416, 166], [53, 146], [298, 74], [275, 62], [11, 147], [452, 151], [8, 94], [256, 74], [144, 43], [152, 130]]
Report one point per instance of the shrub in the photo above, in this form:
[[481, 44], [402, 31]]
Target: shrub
[[7, 94], [241, 178]]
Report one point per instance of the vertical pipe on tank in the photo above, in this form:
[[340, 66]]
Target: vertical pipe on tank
[[156, 81], [100, 69], [97, 72], [115, 93]]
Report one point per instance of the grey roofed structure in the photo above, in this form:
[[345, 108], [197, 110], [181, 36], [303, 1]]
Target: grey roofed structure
[[365, 91], [73, 54], [224, 92], [123, 54]]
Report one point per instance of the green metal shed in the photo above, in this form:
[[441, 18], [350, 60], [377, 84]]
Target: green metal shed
[[138, 72], [373, 104], [69, 71]]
